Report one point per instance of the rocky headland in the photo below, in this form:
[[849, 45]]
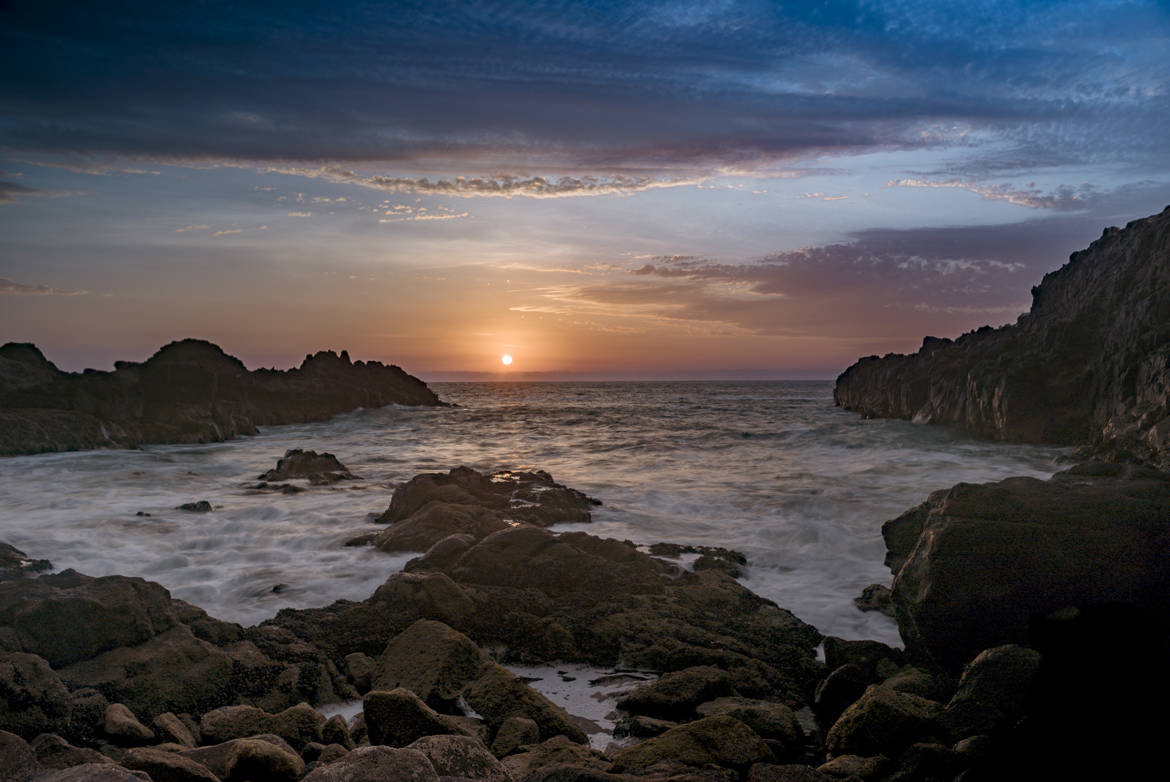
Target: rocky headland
[[190, 391], [1087, 365]]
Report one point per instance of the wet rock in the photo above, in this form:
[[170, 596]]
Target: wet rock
[[17, 759], [929, 760], [1087, 365], [298, 725], [359, 671], [882, 721], [14, 563], [675, 695], [66, 617], [875, 597], [430, 659], [123, 728], [398, 717], [498, 694], [992, 558], [643, 727], [52, 751], [856, 766], [93, 772], [774, 722], [376, 764], [197, 394], [170, 728], [201, 506], [719, 740], [991, 693], [770, 772], [555, 751], [838, 691], [462, 757], [167, 766], [258, 757], [514, 733], [318, 468], [32, 698], [335, 731], [87, 715], [864, 654]]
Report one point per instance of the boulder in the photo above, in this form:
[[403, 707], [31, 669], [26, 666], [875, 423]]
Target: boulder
[[170, 728], [52, 751], [770, 772], [774, 722], [336, 731], [841, 688], [431, 660], [376, 764], [359, 671], [675, 695], [883, 721], [167, 766], [32, 698], [498, 694], [558, 750], [17, 759], [318, 468], [14, 563], [265, 756], [514, 733], [718, 740], [123, 728], [462, 757], [992, 558], [93, 772], [398, 717], [856, 767], [875, 597]]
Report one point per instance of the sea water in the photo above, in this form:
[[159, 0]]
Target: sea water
[[771, 469]]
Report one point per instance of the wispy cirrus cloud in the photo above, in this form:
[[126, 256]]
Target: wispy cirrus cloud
[[1064, 198], [23, 289]]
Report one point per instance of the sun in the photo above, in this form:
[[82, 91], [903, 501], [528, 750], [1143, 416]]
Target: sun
[[505, 359]]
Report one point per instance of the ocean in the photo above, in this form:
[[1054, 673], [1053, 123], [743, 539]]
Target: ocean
[[771, 469]]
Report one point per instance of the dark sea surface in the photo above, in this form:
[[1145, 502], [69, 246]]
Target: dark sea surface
[[769, 468]]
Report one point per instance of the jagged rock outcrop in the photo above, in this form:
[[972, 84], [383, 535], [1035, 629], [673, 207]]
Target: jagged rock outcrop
[[977, 565], [1089, 364], [190, 391]]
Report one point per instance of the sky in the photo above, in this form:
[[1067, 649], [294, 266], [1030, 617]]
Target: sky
[[601, 190]]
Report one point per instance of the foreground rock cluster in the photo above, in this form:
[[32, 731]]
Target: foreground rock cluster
[[1088, 365], [1013, 599], [188, 392]]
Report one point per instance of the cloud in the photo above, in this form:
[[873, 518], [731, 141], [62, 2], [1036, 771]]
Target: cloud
[[300, 214], [92, 167], [498, 186], [1063, 198], [186, 228], [11, 192], [9, 286]]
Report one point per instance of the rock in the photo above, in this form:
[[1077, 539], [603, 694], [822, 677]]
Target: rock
[[855, 766], [17, 759], [461, 757], [864, 654], [359, 671], [1087, 365], [335, 731], [376, 764], [774, 722], [332, 752], [838, 691], [201, 506], [720, 740], [265, 756], [66, 617], [882, 721], [398, 717], [920, 682], [52, 751], [167, 766], [992, 558], [298, 725], [999, 676], [875, 597], [87, 715], [770, 772], [318, 468], [14, 563], [92, 772], [196, 393], [675, 695], [430, 659], [558, 750], [929, 760], [123, 728], [498, 694], [32, 698], [168, 727], [514, 733]]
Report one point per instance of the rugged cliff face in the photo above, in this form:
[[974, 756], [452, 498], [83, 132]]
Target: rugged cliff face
[[1089, 364], [188, 392]]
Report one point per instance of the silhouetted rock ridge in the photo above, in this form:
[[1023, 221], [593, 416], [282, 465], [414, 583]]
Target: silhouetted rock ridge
[[1089, 364], [190, 391]]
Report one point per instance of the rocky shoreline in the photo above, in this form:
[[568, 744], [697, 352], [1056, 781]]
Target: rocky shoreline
[[190, 391], [1088, 365], [112, 678]]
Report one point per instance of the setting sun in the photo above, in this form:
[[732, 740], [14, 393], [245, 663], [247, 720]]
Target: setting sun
[[505, 359]]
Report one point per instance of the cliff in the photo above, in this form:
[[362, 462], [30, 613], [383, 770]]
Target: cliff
[[188, 392], [1089, 364]]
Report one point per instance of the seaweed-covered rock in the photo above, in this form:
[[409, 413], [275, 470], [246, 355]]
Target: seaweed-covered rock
[[430, 659], [32, 698], [462, 757], [719, 740], [318, 468], [498, 694], [167, 766], [675, 695], [883, 721], [557, 751], [122, 727], [376, 764], [398, 717]]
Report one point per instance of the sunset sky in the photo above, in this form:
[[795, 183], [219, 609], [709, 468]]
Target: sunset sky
[[658, 189]]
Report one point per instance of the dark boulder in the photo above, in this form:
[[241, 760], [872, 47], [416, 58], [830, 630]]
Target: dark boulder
[[317, 468]]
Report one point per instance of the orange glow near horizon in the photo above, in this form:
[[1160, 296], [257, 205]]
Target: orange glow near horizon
[[505, 359]]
